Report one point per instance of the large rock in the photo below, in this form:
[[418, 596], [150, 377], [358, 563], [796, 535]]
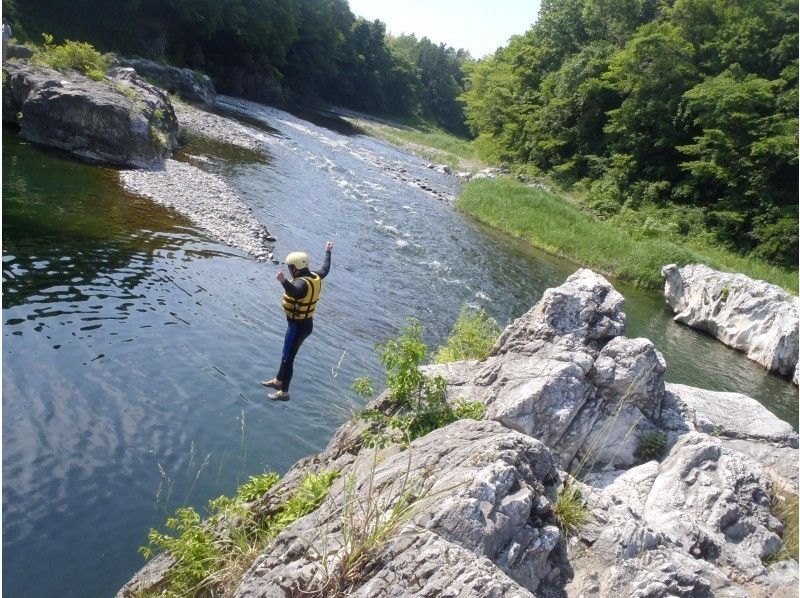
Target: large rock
[[188, 84], [698, 524], [750, 315], [565, 390], [120, 120], [482, 524]]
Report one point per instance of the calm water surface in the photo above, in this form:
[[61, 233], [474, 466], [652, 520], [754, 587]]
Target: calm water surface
[[133, 344]]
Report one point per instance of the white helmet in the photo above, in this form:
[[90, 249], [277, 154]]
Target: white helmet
[[298, 259]]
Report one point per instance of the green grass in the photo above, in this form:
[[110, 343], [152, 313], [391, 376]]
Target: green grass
[[559, 227], [785, 508], [570, 510], [651, 445], [472, 337], [427, 141]]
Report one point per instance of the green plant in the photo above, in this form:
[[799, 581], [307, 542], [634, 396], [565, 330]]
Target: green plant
[[80, 56], [570, 509], [126, 91], [368, 522], [651, 445], [257, 486], [418, 403], [784, 506], [363, 387], [211, 555], [158, 137], [472, 337]]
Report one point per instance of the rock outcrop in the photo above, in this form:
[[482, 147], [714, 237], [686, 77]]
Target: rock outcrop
[[569, 400], [188, 84], [750, 315], [120, 120]]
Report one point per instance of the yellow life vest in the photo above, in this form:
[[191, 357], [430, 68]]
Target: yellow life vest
[[303, 308]]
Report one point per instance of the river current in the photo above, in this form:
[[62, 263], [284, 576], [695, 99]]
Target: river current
[[133, 343]]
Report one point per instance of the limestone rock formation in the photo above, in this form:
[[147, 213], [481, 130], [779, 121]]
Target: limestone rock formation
[[482, 522], [569, 401], [750, 315], [120, 120], [188, 84]]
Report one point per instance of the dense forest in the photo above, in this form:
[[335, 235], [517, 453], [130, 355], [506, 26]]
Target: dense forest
[[280, 51], [678, 113], [687, 104]]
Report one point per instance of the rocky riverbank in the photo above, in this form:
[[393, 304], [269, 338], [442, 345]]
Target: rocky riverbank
[[753, 316], [471, 509], [121, 119]]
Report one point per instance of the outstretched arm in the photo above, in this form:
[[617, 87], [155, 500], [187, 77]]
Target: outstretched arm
[[323, 272]]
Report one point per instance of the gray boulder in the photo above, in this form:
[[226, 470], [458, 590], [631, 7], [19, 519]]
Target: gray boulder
[[120, 120], [750, 315], [481, 523], [563, 390], [188, 84], [698, 524], [18, 51]]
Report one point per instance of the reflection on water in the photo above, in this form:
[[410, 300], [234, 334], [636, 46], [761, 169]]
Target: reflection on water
[[133, 345]]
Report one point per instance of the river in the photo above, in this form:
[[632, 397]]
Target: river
[[133, 343]]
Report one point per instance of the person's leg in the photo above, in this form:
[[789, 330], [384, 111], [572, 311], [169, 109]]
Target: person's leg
[[303, 329], [289, 341]]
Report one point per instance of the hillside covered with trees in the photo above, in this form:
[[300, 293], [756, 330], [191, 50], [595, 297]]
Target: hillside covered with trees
[[685, 110], [673, 118], [281, 51]]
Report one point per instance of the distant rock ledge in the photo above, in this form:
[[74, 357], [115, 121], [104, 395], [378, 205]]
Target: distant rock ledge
[[121, 120], [564, 392], [753, 316]]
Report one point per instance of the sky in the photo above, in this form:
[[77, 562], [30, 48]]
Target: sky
[[480, 26]]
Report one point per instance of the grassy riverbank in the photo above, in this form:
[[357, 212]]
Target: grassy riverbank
[[421, 138], [631, 246], [562, 228]]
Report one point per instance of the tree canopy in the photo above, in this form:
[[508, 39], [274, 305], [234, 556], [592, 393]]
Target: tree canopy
[[667, 102], [293, 51]]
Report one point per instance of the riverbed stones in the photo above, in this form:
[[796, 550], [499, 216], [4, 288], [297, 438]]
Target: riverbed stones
[[750, 315], [120, 120], [207, 201]]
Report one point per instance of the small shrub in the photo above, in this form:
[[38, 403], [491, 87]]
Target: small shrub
[[419, 401], [81, 56], [472, 337], [209, 561], [570, 510], [257, 486], [368, 523], [652, 444], [363, 387]]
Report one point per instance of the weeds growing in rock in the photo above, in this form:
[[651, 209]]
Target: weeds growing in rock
[[368, 522], [651, 445], [570, 509], [418, 403], [472, 337], [81, 56], [211, 555], [785, 508]]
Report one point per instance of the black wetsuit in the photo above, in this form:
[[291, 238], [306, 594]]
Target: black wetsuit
[[297, 330]]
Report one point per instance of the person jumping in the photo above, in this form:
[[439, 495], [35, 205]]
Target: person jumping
[[300, 298]]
